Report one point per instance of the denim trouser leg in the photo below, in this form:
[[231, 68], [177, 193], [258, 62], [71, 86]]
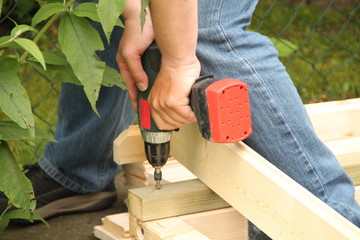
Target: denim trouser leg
[[282, 132], [81, 160]]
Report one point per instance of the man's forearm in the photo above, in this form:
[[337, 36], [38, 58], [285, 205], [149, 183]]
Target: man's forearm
[[175, 24]]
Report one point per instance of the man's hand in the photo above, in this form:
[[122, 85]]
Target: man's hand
[[175, 25], [169, 97], [176, 28], [132, 45]]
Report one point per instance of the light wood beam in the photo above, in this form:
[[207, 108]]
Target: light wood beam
[[165, 229], [262, 193], [173, 199], [220, 224], [129, 146], [118, 224], [347, 151], [335, 119], [102, 233]]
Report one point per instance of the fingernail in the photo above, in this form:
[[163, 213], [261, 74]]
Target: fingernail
[[141, 86]]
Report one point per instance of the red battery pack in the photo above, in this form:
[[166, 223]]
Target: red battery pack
[[222, 109]]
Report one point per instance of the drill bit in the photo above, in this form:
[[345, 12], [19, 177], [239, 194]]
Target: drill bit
[[157, 177]]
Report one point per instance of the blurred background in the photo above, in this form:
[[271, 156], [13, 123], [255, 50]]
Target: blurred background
[[318, 42]]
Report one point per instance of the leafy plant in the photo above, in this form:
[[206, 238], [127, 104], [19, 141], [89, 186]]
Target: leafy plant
[[75, 62]]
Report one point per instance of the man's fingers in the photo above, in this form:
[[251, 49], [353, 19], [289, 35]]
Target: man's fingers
[[137, 72], [168, 118], [165, 123], [130, 84]]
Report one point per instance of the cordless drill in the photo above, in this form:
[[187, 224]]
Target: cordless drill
[[221, 107]]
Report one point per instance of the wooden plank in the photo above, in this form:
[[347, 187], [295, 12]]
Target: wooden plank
[[347, 151], [164, 229], [173, 199], [258, 190], [220, 224], [336, 119], [103, 234], [118, 224], [126, 146]]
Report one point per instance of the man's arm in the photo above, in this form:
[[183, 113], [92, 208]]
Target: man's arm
[[176, 30], [133, 43], [175, 23]]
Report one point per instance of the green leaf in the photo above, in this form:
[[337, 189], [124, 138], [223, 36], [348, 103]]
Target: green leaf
[[64, 73], [59, 73], [143, 13], [47, 11], [6, 42], [36, 216], [14, 101], [53, 58], [9, 63], [19, 214], [1, 3], [113, 78], [79, 41], [87, 10], [109, 13], [119, 23], [56, 58], [13, 182], [4, 222], [4, 39], [20, 29], [24, 214], [32, 48], [11, 131]]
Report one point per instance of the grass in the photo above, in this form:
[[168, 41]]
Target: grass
[[323, 59]]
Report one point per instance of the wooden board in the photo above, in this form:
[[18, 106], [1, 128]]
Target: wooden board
[[103, 234], [165, 229], [118, 224], [336, 119], [126, 146], [347, 151], [258, 190], [173, 199], [220, 224], [114, 227]]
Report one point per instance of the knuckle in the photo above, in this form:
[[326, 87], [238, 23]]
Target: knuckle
[[170, 103]]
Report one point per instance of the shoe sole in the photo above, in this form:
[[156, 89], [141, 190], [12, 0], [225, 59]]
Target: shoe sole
[[80, 203]]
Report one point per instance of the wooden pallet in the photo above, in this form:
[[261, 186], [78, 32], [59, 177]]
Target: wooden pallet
[[266, 203]]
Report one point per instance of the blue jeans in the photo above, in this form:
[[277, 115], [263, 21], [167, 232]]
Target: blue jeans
[[282, 131]]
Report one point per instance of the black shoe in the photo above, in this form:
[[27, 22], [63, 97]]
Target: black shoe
[[53, 199]]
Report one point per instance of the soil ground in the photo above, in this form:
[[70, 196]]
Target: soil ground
[[73, 226]]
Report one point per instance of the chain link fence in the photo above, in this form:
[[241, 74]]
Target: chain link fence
[[318, 42]]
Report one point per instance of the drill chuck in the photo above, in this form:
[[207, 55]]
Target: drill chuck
[[157, 153], [156, 137]]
